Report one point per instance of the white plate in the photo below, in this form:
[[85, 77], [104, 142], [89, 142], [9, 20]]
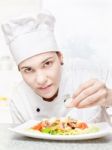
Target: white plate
[[105, 130]]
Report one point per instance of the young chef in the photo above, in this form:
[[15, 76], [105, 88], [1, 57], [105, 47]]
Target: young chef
[[49, 78]]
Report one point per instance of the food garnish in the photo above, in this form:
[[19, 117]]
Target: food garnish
[[64, 126]]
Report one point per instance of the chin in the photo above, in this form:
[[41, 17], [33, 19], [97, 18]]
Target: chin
[[51, 98], [48, 96]]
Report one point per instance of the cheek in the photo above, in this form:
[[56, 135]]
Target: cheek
[[28, 79], [55, 74]]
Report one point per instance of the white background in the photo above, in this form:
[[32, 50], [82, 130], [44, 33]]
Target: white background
[[84, 27]]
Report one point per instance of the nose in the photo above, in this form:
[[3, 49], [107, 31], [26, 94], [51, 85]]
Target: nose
[[41, 78]]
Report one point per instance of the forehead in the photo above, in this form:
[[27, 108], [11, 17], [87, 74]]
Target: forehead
[[38, 59]]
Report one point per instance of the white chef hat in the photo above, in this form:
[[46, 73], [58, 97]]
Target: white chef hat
[[30, 35]]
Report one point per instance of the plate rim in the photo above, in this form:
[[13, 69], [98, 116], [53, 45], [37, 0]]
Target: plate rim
[[20, 129]]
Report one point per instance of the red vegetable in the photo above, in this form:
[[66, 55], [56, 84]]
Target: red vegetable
[[81, 125], [38, 126]]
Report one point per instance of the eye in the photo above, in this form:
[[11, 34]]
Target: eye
[[28, 70], [48, 64]]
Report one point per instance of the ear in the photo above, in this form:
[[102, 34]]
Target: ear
[[60, 56]]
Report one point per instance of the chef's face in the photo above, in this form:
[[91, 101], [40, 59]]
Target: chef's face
[[42, 73]]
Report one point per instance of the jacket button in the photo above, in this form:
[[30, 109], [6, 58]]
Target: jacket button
[[38, 109]]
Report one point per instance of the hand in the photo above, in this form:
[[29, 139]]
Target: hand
[[91, 93]]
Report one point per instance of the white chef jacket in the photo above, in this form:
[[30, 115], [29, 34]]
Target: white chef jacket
[[25, 104]]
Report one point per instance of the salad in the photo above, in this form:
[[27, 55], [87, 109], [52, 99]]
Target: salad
[[64, 126]]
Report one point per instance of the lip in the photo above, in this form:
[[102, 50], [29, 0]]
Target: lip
[[44, 88]]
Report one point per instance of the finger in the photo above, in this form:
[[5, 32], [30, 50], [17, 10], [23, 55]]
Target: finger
[[84, 86], [96, 103], [87, 92], [94, 98]]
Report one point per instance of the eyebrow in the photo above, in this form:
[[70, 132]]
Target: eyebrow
[[47, 59], [25, 67]]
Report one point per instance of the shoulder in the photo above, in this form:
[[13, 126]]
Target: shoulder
[[21, 90]]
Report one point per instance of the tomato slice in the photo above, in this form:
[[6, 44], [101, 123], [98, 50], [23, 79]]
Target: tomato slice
[[38, 127], [82, 125]]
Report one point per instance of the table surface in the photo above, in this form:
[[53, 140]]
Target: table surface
[[12, 141]]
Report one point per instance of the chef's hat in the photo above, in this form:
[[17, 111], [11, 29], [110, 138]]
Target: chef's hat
[[30, 35]]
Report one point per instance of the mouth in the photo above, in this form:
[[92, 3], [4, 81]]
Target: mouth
[[45, 87]]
